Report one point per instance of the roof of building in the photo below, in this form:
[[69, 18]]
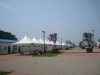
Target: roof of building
[[7, 41]]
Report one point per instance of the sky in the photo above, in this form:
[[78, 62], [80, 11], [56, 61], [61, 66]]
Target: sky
[[68, 18]]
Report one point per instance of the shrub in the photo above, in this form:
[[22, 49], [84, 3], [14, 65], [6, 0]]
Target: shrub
[[55, 50]]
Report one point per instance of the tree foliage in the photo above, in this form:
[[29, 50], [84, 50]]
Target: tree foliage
[[68, 42], [98, 40], [7, 35], [53, 37], [87, 36]]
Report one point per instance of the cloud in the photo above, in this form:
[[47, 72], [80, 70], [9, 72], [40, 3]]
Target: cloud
[[6, 6]]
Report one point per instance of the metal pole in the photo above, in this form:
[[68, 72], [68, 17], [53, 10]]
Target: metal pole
[[44, 40], [61, 44], [93, 37]]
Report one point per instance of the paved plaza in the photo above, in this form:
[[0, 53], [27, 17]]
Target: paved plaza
[[71, 62]]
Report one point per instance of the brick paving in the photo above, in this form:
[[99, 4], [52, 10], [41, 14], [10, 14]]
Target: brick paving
[[81, 52], [71, 62], [10, 57]]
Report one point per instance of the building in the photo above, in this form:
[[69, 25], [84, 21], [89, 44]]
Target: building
[[5, 46]]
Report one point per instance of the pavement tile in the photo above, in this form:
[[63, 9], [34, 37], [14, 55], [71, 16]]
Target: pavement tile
[[71, 62]]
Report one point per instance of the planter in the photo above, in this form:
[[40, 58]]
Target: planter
[[89, 50], [83, 47], [67, 48], [56, 50], [99, 45]]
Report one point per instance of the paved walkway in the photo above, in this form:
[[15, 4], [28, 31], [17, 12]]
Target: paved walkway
[[81, 52], [72, 62], [11, 57]]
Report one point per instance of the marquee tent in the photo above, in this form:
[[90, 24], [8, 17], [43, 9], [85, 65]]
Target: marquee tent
[[57, 43], [98, 43], [35, 40], [50, 42], [25, 40], [63, 44], [41, 41], [24, 45]]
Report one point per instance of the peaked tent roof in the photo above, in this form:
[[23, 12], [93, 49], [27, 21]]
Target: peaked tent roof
[[25, 40], [50, 42], [46, 42], [57, 43], [35, 40], [41, 41], [63, 44]]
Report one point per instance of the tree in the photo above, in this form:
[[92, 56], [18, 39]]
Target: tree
[[99, 40], [53, 38], [73, 45], [69, 44], [88, 37], [66, 41], [81, 44], [7, 35]]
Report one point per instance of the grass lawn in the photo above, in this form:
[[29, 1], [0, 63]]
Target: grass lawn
[[48, 54], [4, 73]]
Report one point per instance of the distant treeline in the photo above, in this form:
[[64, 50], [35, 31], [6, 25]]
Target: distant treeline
[[7, 35]]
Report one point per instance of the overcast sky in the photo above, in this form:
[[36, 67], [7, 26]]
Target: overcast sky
[[68, 18]]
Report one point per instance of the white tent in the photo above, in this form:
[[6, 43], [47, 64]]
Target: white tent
[[35, 40], [25, 45], [25, 40], [98, 43], [47, 42], [50, 42], [41, 41], [63, 44], [57, 43]]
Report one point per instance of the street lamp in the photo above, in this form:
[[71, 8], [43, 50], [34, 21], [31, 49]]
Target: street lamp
[[93, 37], [61, 44], [44, 40]]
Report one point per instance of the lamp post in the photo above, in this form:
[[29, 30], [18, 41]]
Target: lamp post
[[93, 37], [61, 44], [44, 40]]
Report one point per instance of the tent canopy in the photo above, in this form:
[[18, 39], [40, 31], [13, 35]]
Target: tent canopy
[[25, 40], [41, 41], [35, 40]]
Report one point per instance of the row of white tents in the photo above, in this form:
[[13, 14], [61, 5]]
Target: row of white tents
[[26, 44], [98, 44], [27, 40]]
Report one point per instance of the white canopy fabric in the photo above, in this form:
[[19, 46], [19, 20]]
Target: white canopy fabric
[[47, 42], [98, 44], [35, 40], [41, 41], [57, 43], [50, 42], [25, 40], [63, 44]]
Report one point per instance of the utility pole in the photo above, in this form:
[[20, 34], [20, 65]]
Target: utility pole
[[44, 40], [93, 37], [61, 44]]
